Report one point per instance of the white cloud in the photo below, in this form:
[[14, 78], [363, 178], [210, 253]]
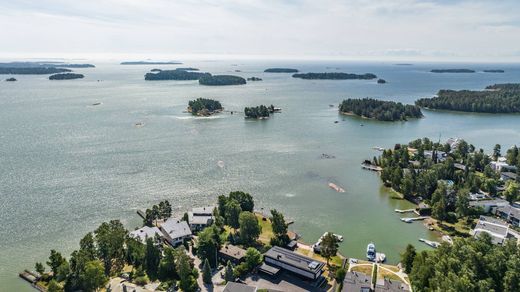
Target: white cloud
[[356, 28]]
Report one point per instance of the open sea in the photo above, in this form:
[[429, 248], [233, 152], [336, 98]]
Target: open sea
[[66, 165]]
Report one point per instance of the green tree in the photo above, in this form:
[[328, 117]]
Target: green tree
[[208, 245], [135, 252], [233, 213], [188, 283], [54, 286], [244, 199], [63, 271], [462, 203], [408, 257], [496, 152], [88, 246], [228, 274], [512, 191], [40, 269], [110, 239], [253, 258], [279, 229], [55, 261], [94, 276], [167, 269], [340, 277], [249, 228], [329, 246], [206, 272], [152, 258]]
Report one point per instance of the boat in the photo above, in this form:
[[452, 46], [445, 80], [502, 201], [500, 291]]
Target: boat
[[371, 252], [277, 110], [336, 188], [378, 148], [96, 103], [380, 257]]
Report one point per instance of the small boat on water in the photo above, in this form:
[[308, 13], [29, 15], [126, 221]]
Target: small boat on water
[[378, 148], [380, 257], [336, 188], [371, 252]]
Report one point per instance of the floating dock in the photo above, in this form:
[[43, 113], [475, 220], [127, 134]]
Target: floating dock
[[371, 167], [407, 211], [411, 219], [431, 243]]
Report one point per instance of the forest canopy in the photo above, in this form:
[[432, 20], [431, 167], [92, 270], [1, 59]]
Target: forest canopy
[[379, 109], [204, 106]]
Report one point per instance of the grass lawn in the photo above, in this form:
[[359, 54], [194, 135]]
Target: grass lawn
[[382, 273], [267, 229], [365, 269], [391, 268]]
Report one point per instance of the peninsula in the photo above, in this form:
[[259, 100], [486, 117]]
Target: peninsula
[[379, 110], [32, 70], [335, 76], [11, 79], [204, 107], [219, 80], [66, 76], [452, 71], [281, 70], [497, 98]]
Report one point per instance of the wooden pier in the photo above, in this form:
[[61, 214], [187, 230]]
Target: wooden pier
[[431, 243], [371, 167], [411, 219]]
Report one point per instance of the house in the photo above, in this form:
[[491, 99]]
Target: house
[[440, 155], [477, 196], [384, 285], [501, 165], [175, 231], [238, 287], [358, 282], [488, 205], [231, 253], [507, 175], [145, 232], [200, 218], [459, 166], [281, 258], [510, 213], [499, 230], [454, 143]]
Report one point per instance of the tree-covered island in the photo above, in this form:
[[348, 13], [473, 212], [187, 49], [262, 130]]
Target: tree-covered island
[[150, 63], [259, 112], [32, 70], [204, 107], [281, 70], [335, 76], [11, 79], [66, 76], [379, 110], [452, 71], [219, 80], [493, 71], [254, 79], [174, 75], [497, 98], [381, 81]]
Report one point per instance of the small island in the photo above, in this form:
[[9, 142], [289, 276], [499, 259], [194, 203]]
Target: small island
[[155, 70], [497, 98], [452, 71], [204, 107], [150, 63], [11, 79], [32, 70], [220, 80], [66, 76], [260, 112], [379, 110], [254, 79], [65, 65], [281, 70], [174, 75], [335, 76], [187, 69], [381, 81], [493, 71]]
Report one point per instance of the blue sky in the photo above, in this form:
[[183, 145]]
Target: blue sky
[[358, 29]]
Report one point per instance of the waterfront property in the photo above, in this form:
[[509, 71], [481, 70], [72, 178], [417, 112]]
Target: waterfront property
[[384, 285], [510, 213], [501, 165], [498, 229], [175, 231], [487, 205], [238, 287], [200, 218], [356, 281], [507, 175], [145, 232], [296, 263], [231, 253]]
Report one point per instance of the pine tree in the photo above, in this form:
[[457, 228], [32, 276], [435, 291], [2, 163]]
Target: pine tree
[[206, 272]]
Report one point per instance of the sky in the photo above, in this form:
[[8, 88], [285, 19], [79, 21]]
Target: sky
[[349, 29]]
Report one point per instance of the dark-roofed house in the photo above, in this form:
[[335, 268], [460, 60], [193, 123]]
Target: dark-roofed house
[[294, 262], [231, 253], [238, 287], [384, 285], [175, 231], [508, 176], [509, 213], [200, 218], [357, 282]]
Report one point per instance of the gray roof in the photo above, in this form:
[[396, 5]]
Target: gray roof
[[145, 232], [199, 219], [510, 210], [237, 287], [498, 229], [294, 259], [355, 281], [176, 228], [390, 285], [482, 203], [233, 251], [509, 175], [208, 210]]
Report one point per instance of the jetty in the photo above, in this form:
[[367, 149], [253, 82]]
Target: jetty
[[32, 278], [371, 167], [431, 243], [411, 219], [407, 211]]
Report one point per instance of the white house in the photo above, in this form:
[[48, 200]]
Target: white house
[[145, 232], [501, 165], [175, 231], [200, 218]]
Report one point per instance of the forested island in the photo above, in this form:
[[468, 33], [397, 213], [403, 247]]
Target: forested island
[[281, 70], [32, 70], [219, 80], [66, 76], [381, 81], [498, 98], [254, 79], [187, 69], [379, 110], [452, 71], [493, 71], [174, 75], [260, 112], [335, 76], [204, 107], [11, 79], [150, 63], [65, 65]]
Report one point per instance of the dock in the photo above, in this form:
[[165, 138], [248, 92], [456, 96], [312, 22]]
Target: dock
[[141, 214], [431, 243], [32, 278], [371, 167], [407, 211], [411, 219]]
